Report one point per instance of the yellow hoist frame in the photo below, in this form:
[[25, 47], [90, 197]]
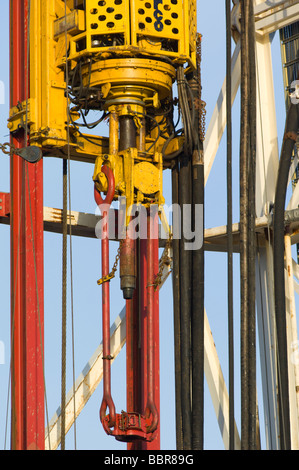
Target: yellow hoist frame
[[120, 58]]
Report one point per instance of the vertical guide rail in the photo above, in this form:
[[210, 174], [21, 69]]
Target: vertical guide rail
[[27, 389], [149, 328]]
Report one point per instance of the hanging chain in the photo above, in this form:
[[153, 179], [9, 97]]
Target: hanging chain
[[111, 275], [164, 261]]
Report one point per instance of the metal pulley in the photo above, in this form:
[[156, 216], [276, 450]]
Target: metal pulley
[[31, 154]]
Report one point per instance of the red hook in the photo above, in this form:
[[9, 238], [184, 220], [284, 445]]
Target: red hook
[[111, 187]]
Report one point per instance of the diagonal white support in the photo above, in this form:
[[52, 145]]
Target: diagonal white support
[[217, 387], [86, 383]]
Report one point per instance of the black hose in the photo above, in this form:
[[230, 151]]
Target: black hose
[[290, 135], [191, 266], [229, 228], [176, 313], [185, 262], [198, 305], [244, 233]]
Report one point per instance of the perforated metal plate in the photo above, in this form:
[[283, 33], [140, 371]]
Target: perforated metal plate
[[159, 27], [107, 16], [172, 23]]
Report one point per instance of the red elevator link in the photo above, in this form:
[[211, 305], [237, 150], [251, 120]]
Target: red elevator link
[[107, 398], [143, 364], [151, 409]]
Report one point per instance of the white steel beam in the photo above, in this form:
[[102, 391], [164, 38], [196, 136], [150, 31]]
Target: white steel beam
[[217, 387], [271, 16], [86, 384], [267, 343], [267, 168], [294, 200]]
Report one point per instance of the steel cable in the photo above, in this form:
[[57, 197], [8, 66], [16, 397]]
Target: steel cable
[[247, 231], [64, 295], [229, 227]]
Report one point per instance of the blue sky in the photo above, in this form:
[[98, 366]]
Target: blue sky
[[86, 263]]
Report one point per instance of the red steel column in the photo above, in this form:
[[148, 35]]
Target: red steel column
[[133, 355], [144, 307], [28, 427]]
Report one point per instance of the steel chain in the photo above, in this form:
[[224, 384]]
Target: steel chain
[[164, 261], [111, 275], [199, 103]]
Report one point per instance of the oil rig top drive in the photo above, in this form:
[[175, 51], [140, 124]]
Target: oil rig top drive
[[124, 61]]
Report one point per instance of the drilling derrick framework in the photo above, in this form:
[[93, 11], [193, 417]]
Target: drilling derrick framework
[[134, 70]]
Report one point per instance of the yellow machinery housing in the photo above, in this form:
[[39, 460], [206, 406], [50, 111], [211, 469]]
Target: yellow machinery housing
[[118, 57]]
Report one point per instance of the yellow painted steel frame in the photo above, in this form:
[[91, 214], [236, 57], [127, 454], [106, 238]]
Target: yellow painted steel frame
[[154, 28], [137, 179], [47, 106], [45, 112]]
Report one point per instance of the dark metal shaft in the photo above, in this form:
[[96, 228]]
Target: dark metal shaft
[[198, 306], [185, 306], [127, 133], [176, 315], [127, 139], [247, 233]]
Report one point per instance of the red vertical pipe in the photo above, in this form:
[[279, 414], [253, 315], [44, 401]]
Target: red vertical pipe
[[149, 313], [133, 360], [17, 336], [34, 311], [143, 325], [28, 428]]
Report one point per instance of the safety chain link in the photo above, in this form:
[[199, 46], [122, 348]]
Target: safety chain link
[[164, 261], [111, 275], [12, 149]]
